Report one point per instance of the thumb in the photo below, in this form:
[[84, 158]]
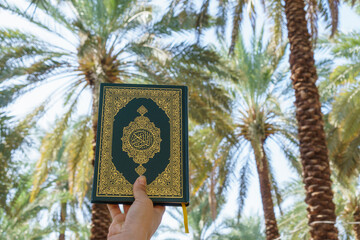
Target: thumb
[[140, 188]]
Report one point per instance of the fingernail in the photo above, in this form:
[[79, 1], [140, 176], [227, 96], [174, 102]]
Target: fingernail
[[142, 180]]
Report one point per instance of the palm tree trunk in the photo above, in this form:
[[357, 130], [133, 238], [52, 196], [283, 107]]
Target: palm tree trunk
[[262, 166], [100, 216], [100, 222], [212, 196], [62, 220], [4, 184], [356, 226], [313, 150]]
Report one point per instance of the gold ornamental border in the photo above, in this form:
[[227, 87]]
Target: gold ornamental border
[[112, 183]]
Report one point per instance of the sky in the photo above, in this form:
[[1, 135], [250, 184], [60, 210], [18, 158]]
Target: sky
[[348, 22]]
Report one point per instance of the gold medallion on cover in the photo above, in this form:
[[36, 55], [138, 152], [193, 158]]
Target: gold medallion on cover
[[141, 140]]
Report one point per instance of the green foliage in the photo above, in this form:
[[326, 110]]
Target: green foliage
[[14, 138], [210, 167], [20, 219], [345, 113], [258, 116], [293, 224], [210, 171], [230, 14], [196, 67], [200, 218], [342, 122], [246, 228], [72, 150]]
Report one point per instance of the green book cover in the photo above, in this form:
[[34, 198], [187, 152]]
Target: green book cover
[[142, 130]]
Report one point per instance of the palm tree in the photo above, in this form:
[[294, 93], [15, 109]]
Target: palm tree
[[259, 116], [340, 94], [311, 133], [313, 148]]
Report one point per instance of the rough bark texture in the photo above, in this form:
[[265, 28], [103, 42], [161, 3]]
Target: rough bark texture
[[313, 150], [100, 222], [357, 223], [100, 215], [262, 166]]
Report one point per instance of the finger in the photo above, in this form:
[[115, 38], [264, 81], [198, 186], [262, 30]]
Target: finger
[[114, 210], [159, 210], [126, 208], [140, 188]]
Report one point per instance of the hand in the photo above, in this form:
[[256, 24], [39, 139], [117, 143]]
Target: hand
[[140, 220]]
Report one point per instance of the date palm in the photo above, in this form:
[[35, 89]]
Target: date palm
[[342, 128], [339, 93], [313, 148], [259, 116]]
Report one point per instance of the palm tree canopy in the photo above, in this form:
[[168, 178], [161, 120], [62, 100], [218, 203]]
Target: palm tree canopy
[[258, 117], [343, 125], [224, 13], [255, 87]]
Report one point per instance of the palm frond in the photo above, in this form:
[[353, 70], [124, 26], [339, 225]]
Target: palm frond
[[275, 13], [49, 147], [47, 26], [79, 156], [237, 17], [244, 181]]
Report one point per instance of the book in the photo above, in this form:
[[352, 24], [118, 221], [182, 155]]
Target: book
[[142, 130]]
